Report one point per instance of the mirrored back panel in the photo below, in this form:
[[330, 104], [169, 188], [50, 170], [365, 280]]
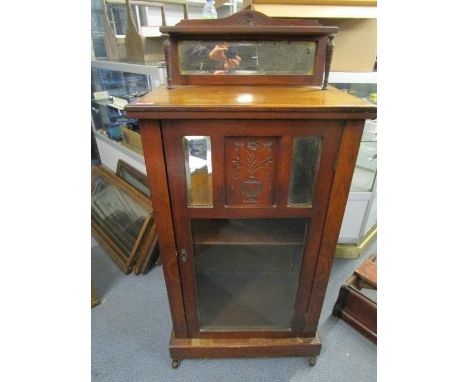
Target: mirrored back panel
[[246, 57]]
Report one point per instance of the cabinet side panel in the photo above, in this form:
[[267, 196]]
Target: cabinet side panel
[[157, 178], [346, 162]]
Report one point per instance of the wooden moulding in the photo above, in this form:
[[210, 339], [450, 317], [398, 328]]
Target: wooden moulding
[[268, 102], [140, 182], [156, 169], [345, 165], [182, 348]]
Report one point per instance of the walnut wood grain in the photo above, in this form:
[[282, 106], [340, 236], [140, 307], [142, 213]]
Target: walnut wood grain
[[157, 177], [224, 113], [357, 310], [367, 272], [173, 132], [198, 98], [244, 347], [346, 161], [328, 59], [250, 23], [168, 58], [250, 171]]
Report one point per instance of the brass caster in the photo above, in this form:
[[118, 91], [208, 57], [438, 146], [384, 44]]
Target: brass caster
[[175, 363], [312, 361]]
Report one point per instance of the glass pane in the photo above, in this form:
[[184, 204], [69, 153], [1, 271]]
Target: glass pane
[[197, 152], [120, 216], [365, 171], [247, 272], [306, 153], [110, 91], [97, 28], [137, 182], [117, 14], [367, 91], [247, 57], [366, 168]]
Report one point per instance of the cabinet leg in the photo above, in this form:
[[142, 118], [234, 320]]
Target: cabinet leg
[[312, 361], [175, 363]]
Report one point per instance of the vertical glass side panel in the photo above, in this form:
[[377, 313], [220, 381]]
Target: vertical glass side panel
[[247, 272], [197, 155], [366, 168], [306, 155]]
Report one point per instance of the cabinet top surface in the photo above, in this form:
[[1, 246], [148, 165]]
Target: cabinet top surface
[[245, 98]]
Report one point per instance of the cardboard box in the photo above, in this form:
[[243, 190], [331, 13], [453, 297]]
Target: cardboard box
[[355, 45], [132, 140], [356, 41]]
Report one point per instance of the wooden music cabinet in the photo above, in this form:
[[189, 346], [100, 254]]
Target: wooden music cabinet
[[249, 182]]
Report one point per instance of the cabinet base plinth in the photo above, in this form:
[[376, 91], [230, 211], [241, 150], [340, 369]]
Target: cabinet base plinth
[[183, 348]]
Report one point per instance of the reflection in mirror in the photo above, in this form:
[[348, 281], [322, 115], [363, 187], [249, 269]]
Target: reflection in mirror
[[247, 57], [366, 168], [306, 152], [197, 153]]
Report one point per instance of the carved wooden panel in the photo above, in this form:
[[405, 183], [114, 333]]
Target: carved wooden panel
[[250, 171]]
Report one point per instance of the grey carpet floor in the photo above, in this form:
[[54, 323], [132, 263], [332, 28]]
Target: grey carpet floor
[[132, 325]]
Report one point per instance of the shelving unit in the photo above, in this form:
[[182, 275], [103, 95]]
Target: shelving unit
[[241, 264], [249, 231]]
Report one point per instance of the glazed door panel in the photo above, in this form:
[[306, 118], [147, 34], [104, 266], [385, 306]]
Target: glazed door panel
[[248, 201]]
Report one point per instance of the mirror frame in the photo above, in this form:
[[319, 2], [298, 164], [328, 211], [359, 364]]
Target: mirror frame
[[249, 25], [142, 256]]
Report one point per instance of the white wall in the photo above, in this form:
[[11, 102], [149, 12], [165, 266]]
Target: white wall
[[110, 155]]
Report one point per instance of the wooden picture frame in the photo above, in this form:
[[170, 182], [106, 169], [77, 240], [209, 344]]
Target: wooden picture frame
[[136, 254], [250, 26], [147, 49], [134, 177], [95, 300], [115, 46]]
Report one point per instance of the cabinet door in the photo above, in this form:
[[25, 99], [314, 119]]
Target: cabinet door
[[248, 201]]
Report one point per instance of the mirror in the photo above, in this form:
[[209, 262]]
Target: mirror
[[209, 57]]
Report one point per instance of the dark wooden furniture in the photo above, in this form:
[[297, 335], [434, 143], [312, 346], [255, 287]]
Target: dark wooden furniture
[[249, 185], [353, 305]]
